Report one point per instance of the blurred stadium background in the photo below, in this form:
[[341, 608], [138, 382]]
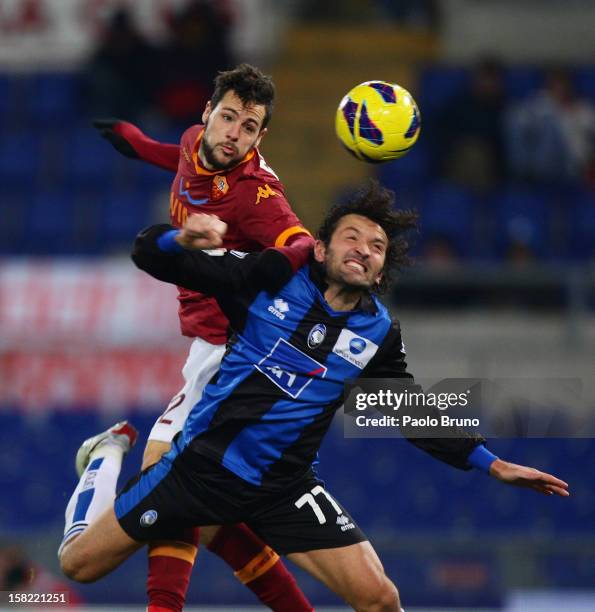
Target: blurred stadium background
[[503, 177]]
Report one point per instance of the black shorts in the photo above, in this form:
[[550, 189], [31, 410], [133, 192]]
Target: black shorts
[[185, 490]]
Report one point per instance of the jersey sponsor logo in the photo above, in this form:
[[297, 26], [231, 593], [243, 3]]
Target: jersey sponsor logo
[[148, 518], [238, 254], [184, 191], [178, 214], [220, 187], [264, 192], [215, 252], [317, 335], [355, 349], [279, 307], [290, 369]]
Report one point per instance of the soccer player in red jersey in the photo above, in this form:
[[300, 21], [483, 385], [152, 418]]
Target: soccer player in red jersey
[[219, 171]]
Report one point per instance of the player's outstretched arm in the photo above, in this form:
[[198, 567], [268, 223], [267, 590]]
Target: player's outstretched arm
[[523, 476], [131, 142], [181, 257]]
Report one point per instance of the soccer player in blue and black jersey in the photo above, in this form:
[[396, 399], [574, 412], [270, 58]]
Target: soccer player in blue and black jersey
[[247, 448]]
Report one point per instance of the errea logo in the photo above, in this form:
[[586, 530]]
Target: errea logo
[[279, 307]]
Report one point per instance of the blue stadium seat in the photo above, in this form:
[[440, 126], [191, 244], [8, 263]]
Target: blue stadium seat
[[53, 98], [407, 174], [88, 158], [19, 159], [523, 216], [584, 80], [449, 212], [582, 225], [438, 84], [124, 214], [522, 81], [51, 223]]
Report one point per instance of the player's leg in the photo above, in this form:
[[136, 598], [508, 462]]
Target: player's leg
[[354, 573], [83, 555], [97, 550], [171, 562]]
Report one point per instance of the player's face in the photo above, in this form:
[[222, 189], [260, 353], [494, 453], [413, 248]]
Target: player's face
[[356, 253], [231, 130]]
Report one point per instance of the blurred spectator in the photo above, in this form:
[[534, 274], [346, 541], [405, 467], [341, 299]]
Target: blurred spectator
[[551, 136], [197, 49], [119, 76], [439, 253], [19, 573], [467, 133]]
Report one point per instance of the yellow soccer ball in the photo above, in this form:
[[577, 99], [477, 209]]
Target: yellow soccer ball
[[378, 121]]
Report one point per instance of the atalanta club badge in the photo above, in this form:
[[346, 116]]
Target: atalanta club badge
[[317, 335], [220, 187]]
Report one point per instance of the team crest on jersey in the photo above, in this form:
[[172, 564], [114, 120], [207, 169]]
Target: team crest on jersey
[[317, 335], [220, 187]]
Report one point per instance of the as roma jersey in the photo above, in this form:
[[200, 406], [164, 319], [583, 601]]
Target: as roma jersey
[[249, 198]]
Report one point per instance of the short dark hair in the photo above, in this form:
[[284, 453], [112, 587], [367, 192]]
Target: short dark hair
[[249, 84], [377, 204]]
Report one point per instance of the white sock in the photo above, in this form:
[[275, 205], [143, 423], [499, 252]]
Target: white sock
[[95, 491]]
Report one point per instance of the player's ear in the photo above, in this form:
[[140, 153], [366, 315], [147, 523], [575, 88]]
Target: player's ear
[[207, 112], [319, 251], [262, 133]]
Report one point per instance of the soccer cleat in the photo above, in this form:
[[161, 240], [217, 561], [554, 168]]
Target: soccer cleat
[[123, 434]]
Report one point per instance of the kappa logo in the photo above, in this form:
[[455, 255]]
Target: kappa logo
[[355, 349], [279, 308], [264, 192], [148, 518], [345, 523], [317, 335]]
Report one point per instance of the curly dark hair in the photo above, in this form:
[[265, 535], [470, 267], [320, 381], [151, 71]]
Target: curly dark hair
[[377, 204], [249, 84]]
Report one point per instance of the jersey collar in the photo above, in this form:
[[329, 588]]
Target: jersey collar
[[199, 167]]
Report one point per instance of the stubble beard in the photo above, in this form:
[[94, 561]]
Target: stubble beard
[[209, 154]]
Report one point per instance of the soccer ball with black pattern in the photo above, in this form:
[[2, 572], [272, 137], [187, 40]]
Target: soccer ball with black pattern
[[378, 121]]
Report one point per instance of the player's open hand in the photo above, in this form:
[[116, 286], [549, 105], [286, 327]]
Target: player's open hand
[[202, 232], [522, 476]]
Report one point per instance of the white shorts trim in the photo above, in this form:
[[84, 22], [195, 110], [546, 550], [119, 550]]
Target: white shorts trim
[[203, 362]]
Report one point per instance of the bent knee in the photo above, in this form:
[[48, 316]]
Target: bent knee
[[74, 567], [382, 597], [154, 450]]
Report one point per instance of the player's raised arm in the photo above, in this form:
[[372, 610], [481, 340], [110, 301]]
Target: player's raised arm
[[179, 256], [131, 142]]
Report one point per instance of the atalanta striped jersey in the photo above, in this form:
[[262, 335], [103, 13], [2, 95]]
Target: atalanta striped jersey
[[264, 415]]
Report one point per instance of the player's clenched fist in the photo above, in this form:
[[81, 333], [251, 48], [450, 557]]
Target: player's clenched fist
[[202, 232]]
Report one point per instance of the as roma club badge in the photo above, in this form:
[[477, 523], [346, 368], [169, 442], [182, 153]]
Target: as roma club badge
[[220, 187]]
